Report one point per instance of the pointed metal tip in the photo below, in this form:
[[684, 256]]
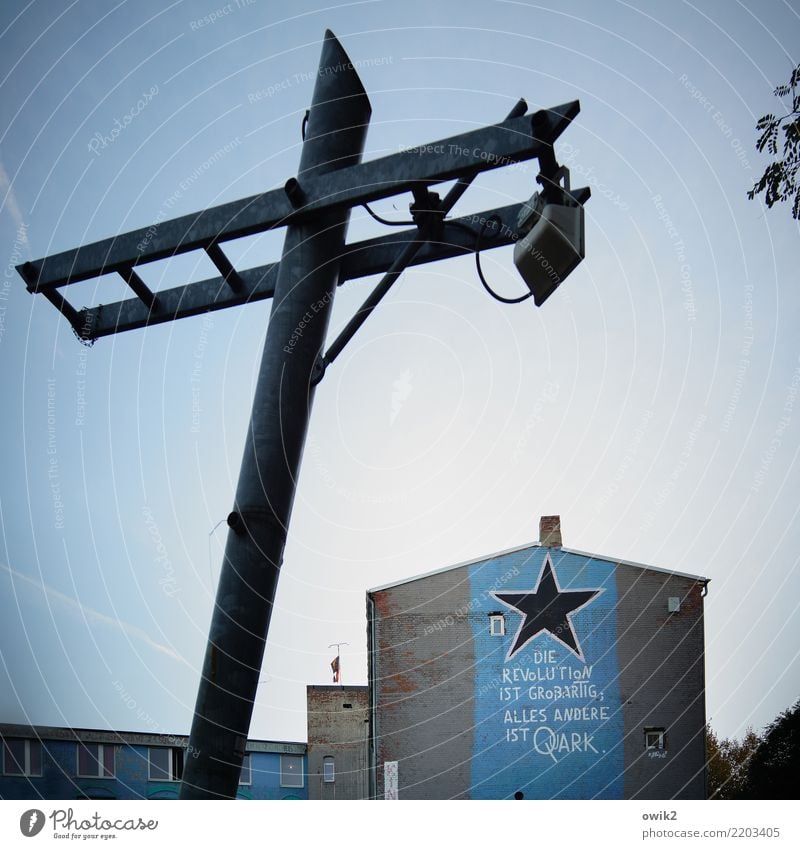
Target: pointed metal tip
[[520, 108], [335, 56]]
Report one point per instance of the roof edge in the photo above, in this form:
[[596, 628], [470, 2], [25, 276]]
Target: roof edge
[[454, 566], [64, 733], [619, 561], [614, 560]]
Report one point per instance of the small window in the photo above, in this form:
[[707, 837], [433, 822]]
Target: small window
[[96, 760], [22, 757], [291, 771], [246, 776], [497, 624], [328, 770], [165, 764], [655, 738], [347, 706], [673, 604]]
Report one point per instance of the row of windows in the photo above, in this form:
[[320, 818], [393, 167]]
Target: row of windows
[[97, 760]]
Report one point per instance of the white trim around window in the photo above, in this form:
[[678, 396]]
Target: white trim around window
[[292, 771], [655, 738]]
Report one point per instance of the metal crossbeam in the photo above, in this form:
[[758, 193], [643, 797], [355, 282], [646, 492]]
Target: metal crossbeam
[[361, 259], [458, 156]]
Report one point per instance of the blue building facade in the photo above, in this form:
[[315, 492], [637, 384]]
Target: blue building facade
[[42, 762], [547, 710]]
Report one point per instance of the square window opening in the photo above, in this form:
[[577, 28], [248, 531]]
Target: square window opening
[[165, 764], [291, 771], [22, 757], [96, 760], [497, 624]]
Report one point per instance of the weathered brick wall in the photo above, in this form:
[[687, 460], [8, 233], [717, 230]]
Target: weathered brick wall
[[341, 732], [424, 687]]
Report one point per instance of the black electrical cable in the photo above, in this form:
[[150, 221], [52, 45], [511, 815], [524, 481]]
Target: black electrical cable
[[486, 286], [385, 220], [478, 239]]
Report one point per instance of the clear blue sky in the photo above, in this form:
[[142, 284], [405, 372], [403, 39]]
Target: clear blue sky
[[654, 401]]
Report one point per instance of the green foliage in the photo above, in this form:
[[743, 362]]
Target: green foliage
[[779, 182], [757, 767], [774, 767], [728, 762]]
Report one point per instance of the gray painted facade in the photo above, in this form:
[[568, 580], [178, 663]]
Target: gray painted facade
[[662, 675]]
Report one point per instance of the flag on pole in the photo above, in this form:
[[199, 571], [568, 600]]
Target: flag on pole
[[335, 668]]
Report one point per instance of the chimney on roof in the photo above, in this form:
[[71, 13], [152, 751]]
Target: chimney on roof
[[550, 531]]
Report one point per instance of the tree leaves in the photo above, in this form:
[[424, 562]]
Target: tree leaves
[[759, 766], [728, 762], [779, 180], [772, 773]]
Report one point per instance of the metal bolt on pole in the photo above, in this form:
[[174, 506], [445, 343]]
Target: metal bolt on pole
[[304, 291]]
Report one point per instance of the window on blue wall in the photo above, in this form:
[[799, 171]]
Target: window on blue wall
[[497, 624], [291, 771], [165, 764], [22, 757], [246, 776], [96, 760], [328, 770]]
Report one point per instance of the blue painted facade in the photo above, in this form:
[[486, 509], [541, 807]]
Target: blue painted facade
[[132, 777], [547, 722]]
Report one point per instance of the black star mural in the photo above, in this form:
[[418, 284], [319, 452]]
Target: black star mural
[[547, 609]]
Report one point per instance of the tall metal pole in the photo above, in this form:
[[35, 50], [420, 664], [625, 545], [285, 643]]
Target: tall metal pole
[[307, 279]]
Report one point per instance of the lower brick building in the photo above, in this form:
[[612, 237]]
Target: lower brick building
[[540, 671], [338, 725], [42, 762]]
